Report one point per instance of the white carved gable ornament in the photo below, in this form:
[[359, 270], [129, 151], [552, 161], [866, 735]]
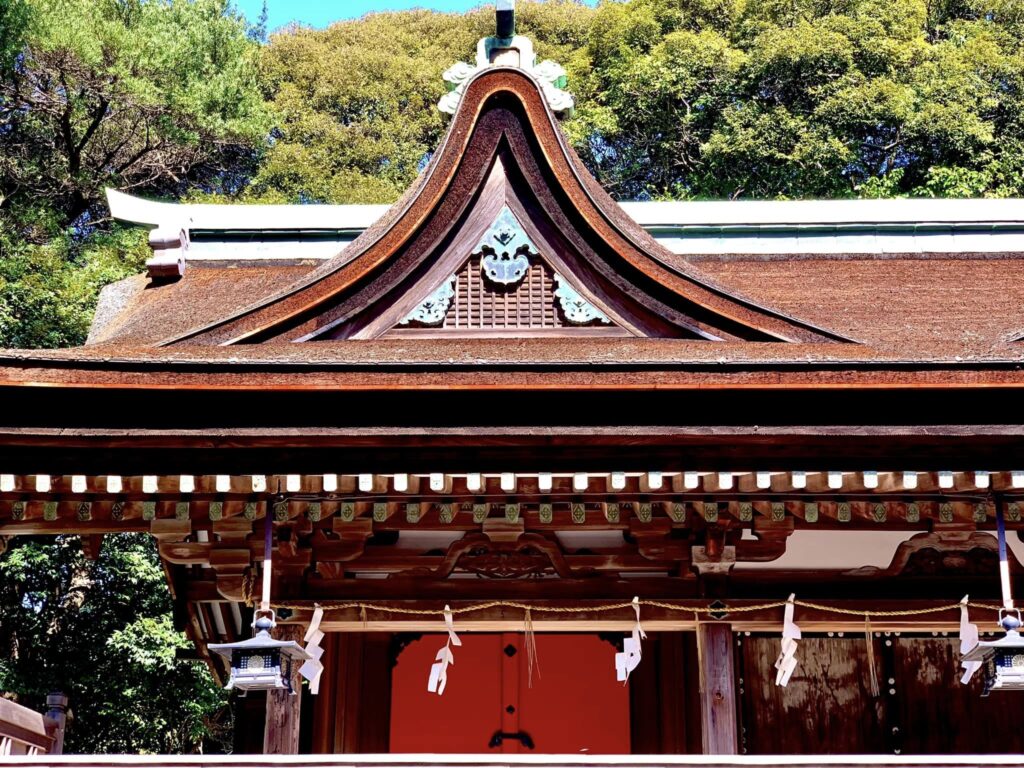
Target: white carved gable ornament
[[508, 49]]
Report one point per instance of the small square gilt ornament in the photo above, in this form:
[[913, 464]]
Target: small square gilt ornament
[[579, 513], [811, 511], [480, 512], [913, 512], [347, 511], [945, 512], [545, 512], [746, 511]]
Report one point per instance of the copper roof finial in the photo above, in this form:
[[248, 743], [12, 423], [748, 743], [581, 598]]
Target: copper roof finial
[[506, 19]]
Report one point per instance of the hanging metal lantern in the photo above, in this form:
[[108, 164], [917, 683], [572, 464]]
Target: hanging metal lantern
[[1002, 660], [261, 663]]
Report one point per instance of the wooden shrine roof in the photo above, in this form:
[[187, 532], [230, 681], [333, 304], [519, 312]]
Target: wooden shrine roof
[[931, 307], [659, 320]]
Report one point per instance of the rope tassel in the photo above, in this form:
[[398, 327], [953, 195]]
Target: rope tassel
[[872, 664], [530, 640]]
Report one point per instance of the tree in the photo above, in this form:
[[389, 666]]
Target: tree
[[357, 100], [13, 26], [151, 95], [813, 98], [101, 633]]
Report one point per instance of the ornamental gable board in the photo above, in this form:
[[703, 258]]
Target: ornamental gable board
[[505, 234]]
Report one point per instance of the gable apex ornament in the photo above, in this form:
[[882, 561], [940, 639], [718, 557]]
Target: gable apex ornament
[[508, 49], [506, 250]]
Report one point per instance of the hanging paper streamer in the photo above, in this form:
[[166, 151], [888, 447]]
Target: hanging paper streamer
[[969, 638], [439, 670], [629, 659], [314, 668], [786, 663]]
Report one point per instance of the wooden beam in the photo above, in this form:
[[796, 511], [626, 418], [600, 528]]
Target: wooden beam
[[717, 688], [281, 736]]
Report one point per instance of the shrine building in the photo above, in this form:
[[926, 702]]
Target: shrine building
[[692, 478]]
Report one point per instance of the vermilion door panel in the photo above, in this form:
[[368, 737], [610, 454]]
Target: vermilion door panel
[[574, 705], [463, 719]]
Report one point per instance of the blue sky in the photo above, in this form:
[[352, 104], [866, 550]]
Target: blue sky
[[320, 13]]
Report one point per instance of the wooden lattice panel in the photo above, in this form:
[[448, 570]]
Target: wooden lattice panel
[[481, 305]]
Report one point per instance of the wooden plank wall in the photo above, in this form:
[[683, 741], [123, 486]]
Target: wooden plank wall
[[664, 697], [829, 706]]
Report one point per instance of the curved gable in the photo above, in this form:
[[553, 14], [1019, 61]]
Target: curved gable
[[587, 268]]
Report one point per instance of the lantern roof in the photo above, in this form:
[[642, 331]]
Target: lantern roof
[[261, 641]]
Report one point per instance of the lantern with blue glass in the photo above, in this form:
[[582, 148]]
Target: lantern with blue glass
[[261, 663], [1002, 661]]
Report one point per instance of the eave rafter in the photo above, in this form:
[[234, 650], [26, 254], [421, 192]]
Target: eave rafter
[[503, 114]]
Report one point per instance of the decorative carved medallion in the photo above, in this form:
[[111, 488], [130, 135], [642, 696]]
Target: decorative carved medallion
[[506, 250], [435, 306], [529, 555], [577, 310]]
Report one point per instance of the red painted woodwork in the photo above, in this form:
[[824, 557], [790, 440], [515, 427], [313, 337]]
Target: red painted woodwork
[[574, 705]]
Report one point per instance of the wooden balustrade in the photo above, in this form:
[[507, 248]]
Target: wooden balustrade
[[25, 732]]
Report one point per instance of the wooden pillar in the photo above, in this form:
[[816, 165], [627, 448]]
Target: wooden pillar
[[717, 689], [281, 736]]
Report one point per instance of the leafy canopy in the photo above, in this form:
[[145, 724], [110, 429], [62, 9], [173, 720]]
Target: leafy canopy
[[101, 632], [813, 98]]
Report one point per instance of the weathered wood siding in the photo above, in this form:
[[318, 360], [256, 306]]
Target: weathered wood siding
[[829, 706]]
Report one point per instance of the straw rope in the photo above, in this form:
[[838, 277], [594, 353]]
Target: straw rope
[[363, 608]]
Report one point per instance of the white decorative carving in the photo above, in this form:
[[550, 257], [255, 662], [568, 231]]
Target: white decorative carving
[[506, 250], [435, 306], [577, 310], [517, 52]]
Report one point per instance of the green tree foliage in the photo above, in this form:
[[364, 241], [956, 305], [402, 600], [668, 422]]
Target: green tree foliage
[[13, 27], [138, 94], [357, 101], [812, 98], [156, 96], [101, 632]]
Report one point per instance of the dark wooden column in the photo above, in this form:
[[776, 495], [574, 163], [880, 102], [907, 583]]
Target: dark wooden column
[[352, 713], [281, 736], [717, 689]]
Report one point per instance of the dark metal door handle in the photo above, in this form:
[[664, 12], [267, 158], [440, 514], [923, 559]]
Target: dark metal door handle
[[500, 736]]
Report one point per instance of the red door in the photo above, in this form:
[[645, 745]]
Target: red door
[[574, 704]]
